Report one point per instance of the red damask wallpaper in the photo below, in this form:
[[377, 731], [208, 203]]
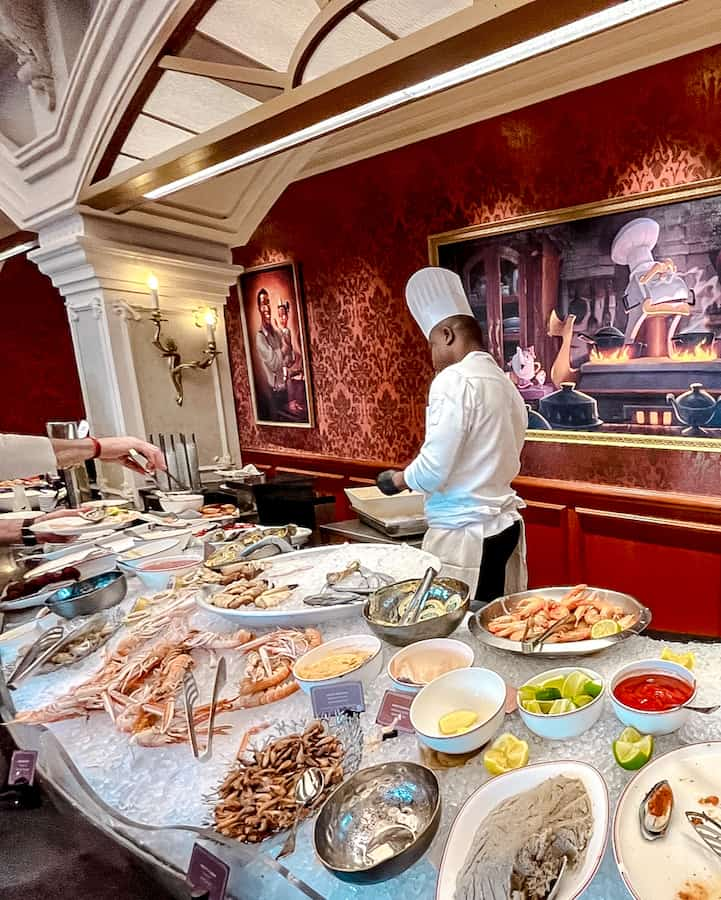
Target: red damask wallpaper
[[38, 374], [358, 233]]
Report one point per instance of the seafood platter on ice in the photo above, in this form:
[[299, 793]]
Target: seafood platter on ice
[[337, 722]]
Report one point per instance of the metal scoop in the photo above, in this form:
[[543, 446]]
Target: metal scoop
[[417, 601], [308, 787]]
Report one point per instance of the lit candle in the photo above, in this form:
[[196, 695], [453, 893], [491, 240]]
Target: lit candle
[[210, 325], [153, 285]]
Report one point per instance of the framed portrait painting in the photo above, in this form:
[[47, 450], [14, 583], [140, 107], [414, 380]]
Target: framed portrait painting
[[274, 331], [607, 317]]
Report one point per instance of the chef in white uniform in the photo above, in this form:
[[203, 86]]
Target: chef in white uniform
[[475, 427]]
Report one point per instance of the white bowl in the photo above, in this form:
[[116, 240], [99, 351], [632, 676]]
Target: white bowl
[[564, 726], [132, 558], [157, 579], [7, 499], [366, 672], [432, 651], [479, 690], [664, 722], [179, 503]]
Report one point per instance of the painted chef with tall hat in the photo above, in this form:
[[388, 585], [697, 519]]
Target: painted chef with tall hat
[[475, 427]]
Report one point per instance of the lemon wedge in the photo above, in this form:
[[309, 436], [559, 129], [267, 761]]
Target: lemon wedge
[[457, 722], [605, 628], [505, 754], [687, 660]]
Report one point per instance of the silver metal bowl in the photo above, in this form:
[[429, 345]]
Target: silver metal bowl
[[478, 623], [83, 598], [379, 612], [378, 822]]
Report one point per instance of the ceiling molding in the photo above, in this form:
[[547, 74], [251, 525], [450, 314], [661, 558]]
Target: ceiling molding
[[454, 41], [596, 59], [224, 71], [331, 15]]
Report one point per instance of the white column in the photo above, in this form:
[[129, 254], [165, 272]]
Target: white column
[[101, 270]]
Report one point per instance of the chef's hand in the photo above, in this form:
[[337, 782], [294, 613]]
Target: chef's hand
[[391, 482], [115, 449]]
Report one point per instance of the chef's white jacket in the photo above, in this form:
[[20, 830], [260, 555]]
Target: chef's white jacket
[[476, 422], [22, 456]]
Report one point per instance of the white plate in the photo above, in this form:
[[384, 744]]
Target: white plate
[[74, 525], [23, 514], [150, 548], [60, 562], [657, 870], [398, 561], [120, 503], [481, 803]]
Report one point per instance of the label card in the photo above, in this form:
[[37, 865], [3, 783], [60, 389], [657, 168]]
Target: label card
[[396, 705], [330, 699], [22, 767], [208, 873]]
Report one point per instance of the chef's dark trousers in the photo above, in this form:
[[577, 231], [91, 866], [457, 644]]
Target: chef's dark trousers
[[497, 550]]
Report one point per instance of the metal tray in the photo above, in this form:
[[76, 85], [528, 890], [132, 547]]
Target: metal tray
[[477, 624], [394, 527]]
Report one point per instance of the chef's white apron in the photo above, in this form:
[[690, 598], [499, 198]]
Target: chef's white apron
[[461, 551]]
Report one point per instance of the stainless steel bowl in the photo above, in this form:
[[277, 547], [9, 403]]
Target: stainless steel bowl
[[378, 822], [83, 598], [379, 609], [478, 623]]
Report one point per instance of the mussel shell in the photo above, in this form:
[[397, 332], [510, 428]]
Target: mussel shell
[[654, 827]]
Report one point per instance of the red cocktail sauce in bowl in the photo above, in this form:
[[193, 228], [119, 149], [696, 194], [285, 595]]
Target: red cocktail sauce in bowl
[[653, 692]]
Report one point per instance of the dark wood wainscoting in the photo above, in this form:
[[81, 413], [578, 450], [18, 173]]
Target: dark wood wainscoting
[[663, 548]]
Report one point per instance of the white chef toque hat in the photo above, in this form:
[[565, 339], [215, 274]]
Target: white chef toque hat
[[434, 294]]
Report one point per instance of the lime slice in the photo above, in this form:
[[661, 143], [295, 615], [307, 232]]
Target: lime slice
[[546, 706], [630, 735], [532, 706], [555, 682], [592, 688], [507, 753], [551, 693], [582, 700], [527, 692], [561, 706], [687, 660], [573, 685], [605, 628], [632, 755]]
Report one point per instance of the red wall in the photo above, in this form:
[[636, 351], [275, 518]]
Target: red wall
[[38, 375], [359, 232]]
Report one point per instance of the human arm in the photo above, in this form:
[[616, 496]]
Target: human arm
[[112, 449], [444, 438]]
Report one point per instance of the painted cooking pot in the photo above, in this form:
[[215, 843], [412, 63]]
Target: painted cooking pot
[[695, 407], [608, 338], [570, 409]]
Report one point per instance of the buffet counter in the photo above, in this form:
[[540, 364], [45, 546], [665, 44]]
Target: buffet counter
[[125, 787]]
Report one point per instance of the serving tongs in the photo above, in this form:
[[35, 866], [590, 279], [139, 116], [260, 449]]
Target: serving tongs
[[708, 829], [142, 463], [418, 600], [191, 696], [532, 644], [36, 654]]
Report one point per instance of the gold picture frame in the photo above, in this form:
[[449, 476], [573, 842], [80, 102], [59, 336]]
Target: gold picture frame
[[638, 202], [288, 402]]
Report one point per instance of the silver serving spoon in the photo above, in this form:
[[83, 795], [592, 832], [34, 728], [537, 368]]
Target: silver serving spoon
[[704, 710], [307, 789], [556, 885]]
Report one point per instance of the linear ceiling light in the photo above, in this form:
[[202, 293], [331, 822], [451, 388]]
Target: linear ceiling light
[[623, 12], [18, 248]]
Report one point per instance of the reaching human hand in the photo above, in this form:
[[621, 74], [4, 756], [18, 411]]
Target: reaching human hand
[[116, 449]]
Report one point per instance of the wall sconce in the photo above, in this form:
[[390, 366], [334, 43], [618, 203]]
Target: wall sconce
[[169, 349]]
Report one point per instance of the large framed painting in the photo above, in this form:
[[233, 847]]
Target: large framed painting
[[607, 317], [274, 331]]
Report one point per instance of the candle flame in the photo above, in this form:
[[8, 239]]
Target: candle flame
[[152, 282]]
